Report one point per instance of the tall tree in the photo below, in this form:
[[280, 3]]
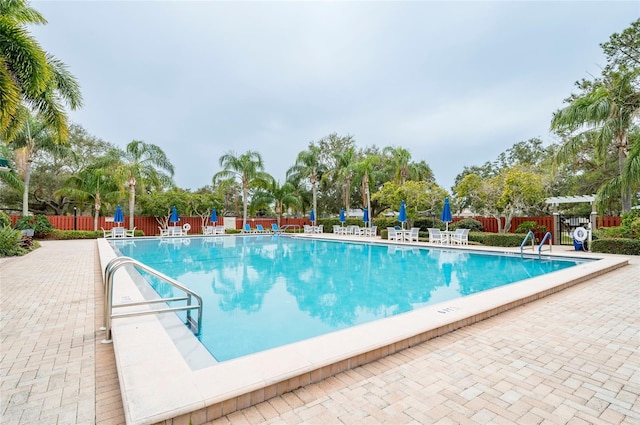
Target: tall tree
[[603, 112], [344, 172], [248, 168], [282, 196], [92, 184], [139, 165], [30, 78], [308, 165], [33, 137], [400, 160]]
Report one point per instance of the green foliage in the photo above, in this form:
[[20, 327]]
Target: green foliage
[[469, 223], [425, 223], [9, 242], [501, 239], [39, 223], [531, 226], [5, 220], [616, 246]]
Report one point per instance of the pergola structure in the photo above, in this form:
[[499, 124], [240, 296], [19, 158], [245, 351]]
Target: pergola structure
[[557, 200]]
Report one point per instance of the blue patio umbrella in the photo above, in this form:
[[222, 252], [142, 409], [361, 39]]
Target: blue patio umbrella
[[365, 215], [312, 217], [214, 216], [118, 217], [174, 215], [446, 213], [342, 217], [402, 216]]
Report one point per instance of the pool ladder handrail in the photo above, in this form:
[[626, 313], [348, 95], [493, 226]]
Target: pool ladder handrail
[[547, 236], [109, 273], [524, 241], [530, 234]]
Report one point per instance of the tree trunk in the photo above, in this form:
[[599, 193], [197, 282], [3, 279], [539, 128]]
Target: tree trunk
[[132, 201], [625, 195], [25, 193], [97, 213]]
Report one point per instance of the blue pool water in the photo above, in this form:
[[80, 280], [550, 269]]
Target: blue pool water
[[261, 292]]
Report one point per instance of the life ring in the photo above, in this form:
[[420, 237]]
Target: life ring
[[580, 234], [186, 226]]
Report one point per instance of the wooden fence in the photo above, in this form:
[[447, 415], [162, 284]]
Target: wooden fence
[[149, 225]]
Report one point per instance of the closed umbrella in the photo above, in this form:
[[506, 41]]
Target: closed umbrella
[[118, 217], [402, 216], [342, 218], [312, 217], [214, 216], [174, 215], [446, 213], [365, 215]]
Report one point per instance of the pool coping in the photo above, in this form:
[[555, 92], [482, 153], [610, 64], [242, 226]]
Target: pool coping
[[161, 387]]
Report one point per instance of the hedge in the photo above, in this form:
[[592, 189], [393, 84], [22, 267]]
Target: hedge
[[623, 246]]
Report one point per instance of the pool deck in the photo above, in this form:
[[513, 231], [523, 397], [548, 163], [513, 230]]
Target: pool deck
[[572, 357]]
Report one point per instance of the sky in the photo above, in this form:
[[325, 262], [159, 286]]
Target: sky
[[455, 83]]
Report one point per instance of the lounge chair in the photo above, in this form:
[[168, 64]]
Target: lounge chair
[[246, 228], [436, 236], [413, 235], [461, 237], [260, 229], [275, 228]]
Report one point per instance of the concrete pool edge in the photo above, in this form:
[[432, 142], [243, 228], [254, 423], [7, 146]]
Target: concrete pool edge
[[158, 387]]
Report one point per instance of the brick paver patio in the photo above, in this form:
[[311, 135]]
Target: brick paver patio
[[573, 357]]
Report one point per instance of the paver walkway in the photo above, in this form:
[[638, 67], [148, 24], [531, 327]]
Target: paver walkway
[[573, 357]]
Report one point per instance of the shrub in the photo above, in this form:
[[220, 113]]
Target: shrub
[[38, 223], [5, 220], [10, 242], [469, 223], [502, 239], [623, 246]]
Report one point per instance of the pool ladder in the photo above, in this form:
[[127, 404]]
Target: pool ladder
[[530, 235], [109, 315]]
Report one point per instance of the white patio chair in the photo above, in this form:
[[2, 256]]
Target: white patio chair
[[394, 235], [118, 232], [436, 236], [130, 233], [413, 235], [461, 237]]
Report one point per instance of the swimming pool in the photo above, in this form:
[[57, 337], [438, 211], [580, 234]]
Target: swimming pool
[[262, 292]]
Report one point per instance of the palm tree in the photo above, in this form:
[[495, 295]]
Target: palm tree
[[344, 173], [400, 159], [139, 165], [628, 180], [8, 175], [29, 76], [90, 184], [283, 196], [308, 165], [33, 137], [605, 113], [249, 169], [364, 170]]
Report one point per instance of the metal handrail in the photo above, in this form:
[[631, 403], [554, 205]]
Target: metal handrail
[[524, 241], [109, 272], [546, 236]]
